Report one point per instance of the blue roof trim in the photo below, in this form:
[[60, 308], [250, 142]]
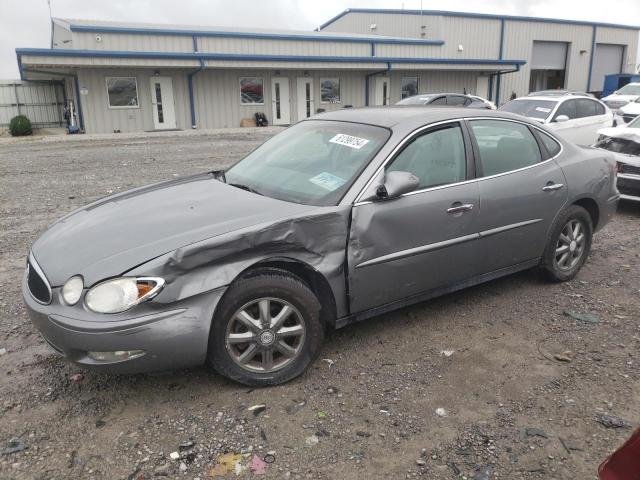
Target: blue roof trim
[[252, 35], [277, 58], [488, 16]]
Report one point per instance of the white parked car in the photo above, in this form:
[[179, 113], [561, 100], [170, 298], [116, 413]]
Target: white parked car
[[574, 115], [624, 143], [618, 99], [630, 111]]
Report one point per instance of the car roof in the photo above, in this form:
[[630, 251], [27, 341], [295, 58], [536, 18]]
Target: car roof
[[401, 116], [559, 93]]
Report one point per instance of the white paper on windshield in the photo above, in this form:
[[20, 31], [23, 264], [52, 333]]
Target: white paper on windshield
[[543, 109], [328, 181], [349, 141]]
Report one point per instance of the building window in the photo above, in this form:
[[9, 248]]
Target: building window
[[329, 90], [251, 91], [122, 92], [409, 86]]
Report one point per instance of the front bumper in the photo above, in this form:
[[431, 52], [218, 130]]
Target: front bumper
[[629, 186], [172, 335]]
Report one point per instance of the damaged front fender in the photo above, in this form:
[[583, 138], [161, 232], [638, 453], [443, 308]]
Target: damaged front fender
[[317, 239]]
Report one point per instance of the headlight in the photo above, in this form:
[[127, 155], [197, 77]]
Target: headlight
[[120, 294], [72, 290]]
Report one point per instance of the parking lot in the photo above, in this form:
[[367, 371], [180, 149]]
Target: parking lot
[[495, 382]]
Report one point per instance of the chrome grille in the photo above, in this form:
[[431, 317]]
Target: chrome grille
[[626, 168], [37, 282]]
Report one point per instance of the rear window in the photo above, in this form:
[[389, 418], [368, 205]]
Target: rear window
[[539, 109]]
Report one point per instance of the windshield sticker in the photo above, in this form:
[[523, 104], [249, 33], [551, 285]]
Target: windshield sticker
[[328, 181], [543, 109], [349, 141]]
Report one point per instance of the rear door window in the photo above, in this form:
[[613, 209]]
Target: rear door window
[[586, 108], [456, 100], [504, 146], [568, 108]]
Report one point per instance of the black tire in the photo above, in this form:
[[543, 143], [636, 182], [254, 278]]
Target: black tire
[[552, 269], [272, 283]]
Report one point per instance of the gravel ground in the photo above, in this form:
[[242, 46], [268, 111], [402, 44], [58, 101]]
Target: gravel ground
[[521, 383]]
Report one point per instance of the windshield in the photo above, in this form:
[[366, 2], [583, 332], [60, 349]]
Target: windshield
[[629, 90], [619, 145], [313, 162], [415, 100], [530, 108]]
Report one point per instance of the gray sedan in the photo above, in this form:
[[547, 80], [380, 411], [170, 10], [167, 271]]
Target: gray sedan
[[337, 219]]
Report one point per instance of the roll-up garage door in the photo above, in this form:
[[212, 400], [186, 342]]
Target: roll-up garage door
[[549, 56], [606, 60]]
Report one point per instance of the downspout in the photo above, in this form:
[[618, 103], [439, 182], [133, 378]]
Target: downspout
[[366, 82], [593, 51], [73, 76], [499, 75], [500, 57], [190, 84]]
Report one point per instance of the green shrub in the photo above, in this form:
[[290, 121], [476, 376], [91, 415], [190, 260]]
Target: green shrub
[[19, 126]]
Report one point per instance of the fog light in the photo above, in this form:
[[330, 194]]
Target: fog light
[[116, 356]]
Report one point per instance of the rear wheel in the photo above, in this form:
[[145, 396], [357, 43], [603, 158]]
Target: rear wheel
[[568, 245], [266, 329]]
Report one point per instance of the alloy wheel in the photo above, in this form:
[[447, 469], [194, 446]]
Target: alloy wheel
[[265, 335], [571, 245]]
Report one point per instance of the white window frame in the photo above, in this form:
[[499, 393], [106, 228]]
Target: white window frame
[[243, 104], [121, 107], [417, 78], [322, 79]]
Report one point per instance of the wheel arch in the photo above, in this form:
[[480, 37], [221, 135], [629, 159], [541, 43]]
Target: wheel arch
[[315, 280], [591, 206]]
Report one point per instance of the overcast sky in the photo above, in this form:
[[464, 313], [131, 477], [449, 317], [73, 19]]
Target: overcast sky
[[25, 23]]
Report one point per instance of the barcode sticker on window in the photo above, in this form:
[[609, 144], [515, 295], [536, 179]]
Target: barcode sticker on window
[[543, 109], [349, 141]]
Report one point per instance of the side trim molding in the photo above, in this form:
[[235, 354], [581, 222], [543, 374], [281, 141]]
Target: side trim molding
[[444, 244]]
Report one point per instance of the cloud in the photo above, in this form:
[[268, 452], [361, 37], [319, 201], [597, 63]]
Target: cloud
[[26, 23]]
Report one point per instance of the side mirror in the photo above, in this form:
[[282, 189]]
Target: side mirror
[[396, 184], [561, 118]]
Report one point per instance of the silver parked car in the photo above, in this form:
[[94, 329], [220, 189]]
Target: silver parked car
[[339, 218]]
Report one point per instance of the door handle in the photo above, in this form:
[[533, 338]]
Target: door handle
[[461, 208], [552, 186]]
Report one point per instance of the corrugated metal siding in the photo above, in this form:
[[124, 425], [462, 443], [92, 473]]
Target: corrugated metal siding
[[40, 102], [130, 42], [39, 61], [434, 82], [480, 38], [518, 42], [62, 37], [99, 118], [217, 94], [388, 24], [281, 47]]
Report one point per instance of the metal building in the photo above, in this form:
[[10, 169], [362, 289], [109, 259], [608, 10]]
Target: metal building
[[135, 77]]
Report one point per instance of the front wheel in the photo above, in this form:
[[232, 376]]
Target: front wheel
[[266, 330], [568, 245]]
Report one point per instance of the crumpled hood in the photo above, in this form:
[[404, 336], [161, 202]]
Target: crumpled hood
[[632, 134], [112, 235]]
